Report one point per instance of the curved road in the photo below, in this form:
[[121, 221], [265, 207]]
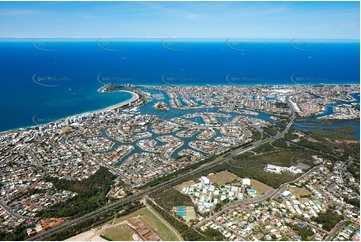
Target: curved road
[[10, 211]]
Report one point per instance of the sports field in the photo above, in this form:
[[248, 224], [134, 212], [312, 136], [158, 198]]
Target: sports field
[[120, 232], [298, 192]]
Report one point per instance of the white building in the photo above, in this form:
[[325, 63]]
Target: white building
[[204, 180], [286, 194], [274, 169], [246, 182]]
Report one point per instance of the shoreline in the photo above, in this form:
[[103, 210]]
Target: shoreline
[[134, 98], [247, 85]]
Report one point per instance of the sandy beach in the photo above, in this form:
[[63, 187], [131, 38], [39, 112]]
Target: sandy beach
[[134, 98]]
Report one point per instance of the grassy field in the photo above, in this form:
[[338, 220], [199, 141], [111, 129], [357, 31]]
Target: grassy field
[[298, 192], [170, 198], [121, 232], [287, 157], [260, 187], [223, 177], [152, 221]]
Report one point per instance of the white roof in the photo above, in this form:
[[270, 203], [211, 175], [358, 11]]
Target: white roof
[[286, 193], [246, 181], [204, 179]]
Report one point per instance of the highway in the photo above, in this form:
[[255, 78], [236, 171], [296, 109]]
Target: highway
[[136, 196], [46, 234], [292, 119], [344, 168]]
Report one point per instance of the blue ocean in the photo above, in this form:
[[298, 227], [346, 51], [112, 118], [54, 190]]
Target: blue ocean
[[46, 79]]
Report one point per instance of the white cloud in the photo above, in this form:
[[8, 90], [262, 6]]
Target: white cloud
[[20, 12], [192, 16]]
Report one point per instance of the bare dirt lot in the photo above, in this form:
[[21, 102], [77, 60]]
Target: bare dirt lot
[[223, 177], [86, 236], [184, 184], [260, 187]]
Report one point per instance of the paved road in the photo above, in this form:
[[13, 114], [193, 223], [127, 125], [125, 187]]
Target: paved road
[[131, 198], [136, 196], [292, 119], [10, 211], [344, 168], [311, 225], [46, 234], [335, 230]]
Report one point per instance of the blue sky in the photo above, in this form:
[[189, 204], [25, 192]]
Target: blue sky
[[267, 20]]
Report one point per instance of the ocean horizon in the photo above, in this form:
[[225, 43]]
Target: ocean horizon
[[55, 78]]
